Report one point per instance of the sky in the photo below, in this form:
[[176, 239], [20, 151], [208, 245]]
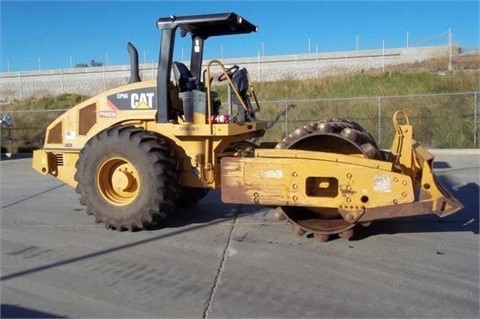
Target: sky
[[60, 34]]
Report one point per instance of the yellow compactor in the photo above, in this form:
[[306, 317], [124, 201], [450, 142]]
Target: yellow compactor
[[137, 152]]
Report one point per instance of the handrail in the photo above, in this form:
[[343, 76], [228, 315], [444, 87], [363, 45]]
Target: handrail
[[230, 82]]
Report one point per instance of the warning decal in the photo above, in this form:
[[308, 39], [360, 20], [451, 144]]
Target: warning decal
[[382, 183]]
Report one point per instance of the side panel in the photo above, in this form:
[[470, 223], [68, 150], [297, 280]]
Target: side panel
[[128, 103], [311, 182]]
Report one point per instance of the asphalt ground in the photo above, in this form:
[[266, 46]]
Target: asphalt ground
[[231, 261]]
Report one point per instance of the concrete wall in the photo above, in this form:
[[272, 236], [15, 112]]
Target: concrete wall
[[93, 80]]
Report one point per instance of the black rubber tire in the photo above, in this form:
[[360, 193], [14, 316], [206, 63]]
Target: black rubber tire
[[191, 195], [156, 170]]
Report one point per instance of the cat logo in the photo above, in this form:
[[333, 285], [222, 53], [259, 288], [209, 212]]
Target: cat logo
[[141, 101]]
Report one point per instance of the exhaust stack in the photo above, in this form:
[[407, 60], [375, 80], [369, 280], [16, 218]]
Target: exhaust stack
[[134, 74]]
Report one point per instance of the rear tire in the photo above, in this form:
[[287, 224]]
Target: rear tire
[[128, 178]]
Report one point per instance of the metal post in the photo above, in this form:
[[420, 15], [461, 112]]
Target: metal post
[[286, 119], [61, 80], [104, 80], [383, 55], [21, 86], [379, 121], [475, 117], [9, 153], [450, 49], [258, 66], [229, 102]]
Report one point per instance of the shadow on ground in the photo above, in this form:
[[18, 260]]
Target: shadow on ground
[[211, 209], [15, 311]]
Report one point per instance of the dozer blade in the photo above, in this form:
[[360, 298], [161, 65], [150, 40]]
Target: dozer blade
[[447, 203], [431, 189]]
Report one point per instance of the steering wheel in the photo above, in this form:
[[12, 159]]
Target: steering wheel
[[228, 72]]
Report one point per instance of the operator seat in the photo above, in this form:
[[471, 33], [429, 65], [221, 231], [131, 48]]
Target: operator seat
[[184, 78], [241, 81], [186, 83]]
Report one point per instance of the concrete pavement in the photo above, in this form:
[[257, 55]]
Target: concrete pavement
[[232, 261]]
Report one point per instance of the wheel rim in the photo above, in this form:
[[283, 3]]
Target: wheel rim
[[118, 181]]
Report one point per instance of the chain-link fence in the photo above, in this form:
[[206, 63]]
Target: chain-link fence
[[439, 120], [27, 131]]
